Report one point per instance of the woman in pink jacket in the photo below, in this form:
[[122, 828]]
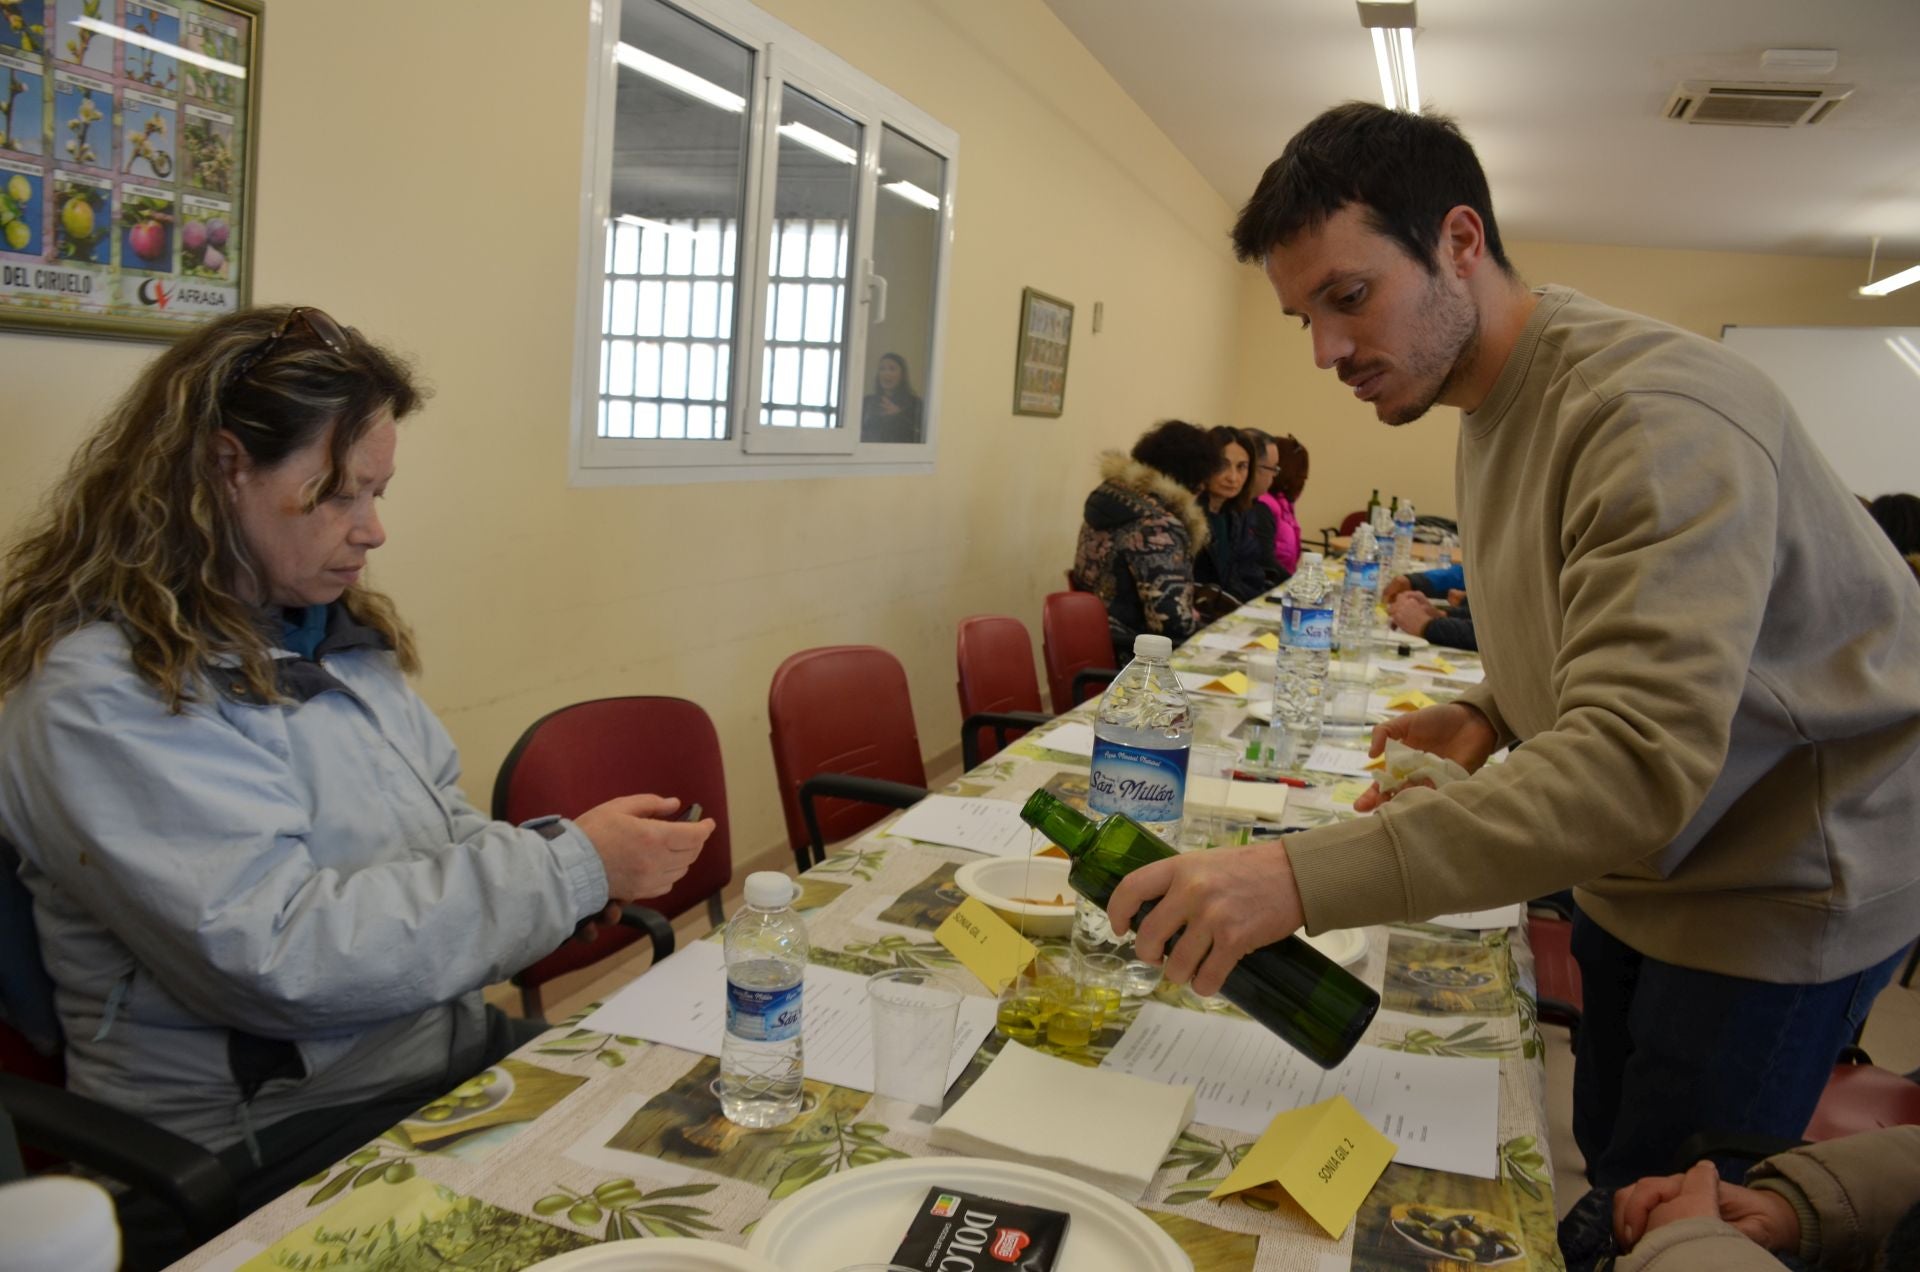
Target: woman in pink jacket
[[1286, 464]]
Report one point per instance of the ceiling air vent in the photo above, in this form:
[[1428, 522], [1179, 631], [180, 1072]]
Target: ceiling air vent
[[1754, 105]]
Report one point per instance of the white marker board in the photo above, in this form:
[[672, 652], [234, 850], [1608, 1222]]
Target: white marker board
[[1857, 389]]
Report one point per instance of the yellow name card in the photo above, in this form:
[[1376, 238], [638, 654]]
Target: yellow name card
[[1438, 664], [1409, 700], [1265, 640], [1234, 682], [985, 944], [1325, 1155]]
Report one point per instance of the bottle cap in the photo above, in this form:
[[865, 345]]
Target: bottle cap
[[770, 890], [1148, 645]]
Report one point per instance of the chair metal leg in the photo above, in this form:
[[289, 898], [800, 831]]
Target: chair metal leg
[[716, 913], [530, 1002]]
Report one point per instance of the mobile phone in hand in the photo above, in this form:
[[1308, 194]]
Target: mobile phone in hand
[[692, 814]]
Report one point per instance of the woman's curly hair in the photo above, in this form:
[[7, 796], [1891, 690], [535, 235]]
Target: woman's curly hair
[[141, 532]]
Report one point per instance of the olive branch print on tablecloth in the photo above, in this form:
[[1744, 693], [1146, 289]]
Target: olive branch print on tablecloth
[[1207, 1165], [630, 1212], [361, 1169], [838, 1145], [585, 1042], [1464, 1041], [1522, 1162], [860, 863], [903, 951]]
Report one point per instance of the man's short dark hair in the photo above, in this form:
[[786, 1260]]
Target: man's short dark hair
[[1407, 171], [1181, 450]]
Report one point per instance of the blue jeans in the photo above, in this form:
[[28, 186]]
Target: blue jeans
[[1666, 1052]]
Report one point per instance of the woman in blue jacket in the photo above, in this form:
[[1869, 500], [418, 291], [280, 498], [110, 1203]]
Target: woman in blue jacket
[[265, 903]]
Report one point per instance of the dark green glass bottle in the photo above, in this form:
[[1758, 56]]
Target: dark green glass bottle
[[1313, 1003]]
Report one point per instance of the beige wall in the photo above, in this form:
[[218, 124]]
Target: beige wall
[[1279, 388], [452, 233]]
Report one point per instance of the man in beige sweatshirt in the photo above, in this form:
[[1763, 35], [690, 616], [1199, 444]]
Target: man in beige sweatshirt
[[1710, 651]]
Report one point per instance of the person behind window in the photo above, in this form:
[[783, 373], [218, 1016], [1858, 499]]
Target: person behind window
[[1140, 531], [1263, 514], [1232, 559], [265, 903], [893, 411]]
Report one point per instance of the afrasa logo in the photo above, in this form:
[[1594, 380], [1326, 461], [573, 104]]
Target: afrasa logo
[[153, 293]]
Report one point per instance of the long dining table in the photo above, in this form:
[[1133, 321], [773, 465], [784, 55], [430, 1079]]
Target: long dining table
[[604, 1136]]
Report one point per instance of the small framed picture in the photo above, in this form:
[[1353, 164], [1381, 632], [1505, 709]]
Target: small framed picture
[[1040, 366]]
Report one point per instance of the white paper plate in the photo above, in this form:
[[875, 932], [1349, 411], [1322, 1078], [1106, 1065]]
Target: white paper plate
[[999, 882], [657, 1254], [1344, 946], [861, 1215]]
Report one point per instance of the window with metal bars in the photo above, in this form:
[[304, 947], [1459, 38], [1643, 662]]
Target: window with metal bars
[[768, 228]]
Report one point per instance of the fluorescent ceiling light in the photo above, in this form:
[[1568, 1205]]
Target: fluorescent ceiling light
[[145, 41], [1391, 24], [1399, 82], [1903, 349], [913, 194], [1892, 282], [677, 77], [814, 139]]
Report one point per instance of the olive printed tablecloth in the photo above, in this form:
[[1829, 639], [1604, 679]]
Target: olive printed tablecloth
[[582, 1137]]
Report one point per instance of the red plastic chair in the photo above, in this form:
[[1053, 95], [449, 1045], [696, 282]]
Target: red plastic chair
[[1077, 647], [1864, 1097], [842, 729], [580, 756], [999, 694]]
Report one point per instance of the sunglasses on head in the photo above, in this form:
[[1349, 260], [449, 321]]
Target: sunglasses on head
[[317, 321]]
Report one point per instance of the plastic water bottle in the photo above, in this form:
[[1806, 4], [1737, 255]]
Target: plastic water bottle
[[760, 1056], [1403, 524], [1306, 642], [1359, 595], [1449, 551], [1142, 735]]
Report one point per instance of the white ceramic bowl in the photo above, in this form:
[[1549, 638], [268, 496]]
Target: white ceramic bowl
[[1009, 885]]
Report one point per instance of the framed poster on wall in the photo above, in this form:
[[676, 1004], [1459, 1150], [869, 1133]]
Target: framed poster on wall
[[1040, 365], [128, 131]]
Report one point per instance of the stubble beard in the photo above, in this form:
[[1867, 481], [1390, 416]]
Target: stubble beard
[[1448, 346]]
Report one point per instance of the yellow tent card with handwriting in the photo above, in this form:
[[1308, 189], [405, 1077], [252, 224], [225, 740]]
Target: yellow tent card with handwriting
[[1325, 1155], [985, 944]]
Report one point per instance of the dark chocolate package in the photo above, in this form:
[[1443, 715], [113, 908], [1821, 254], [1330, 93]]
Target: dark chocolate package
[[958, 1231]]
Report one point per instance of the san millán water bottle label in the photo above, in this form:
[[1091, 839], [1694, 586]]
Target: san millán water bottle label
[[1363, 574], [1308, 627], [763, 1015], [1147, 784]]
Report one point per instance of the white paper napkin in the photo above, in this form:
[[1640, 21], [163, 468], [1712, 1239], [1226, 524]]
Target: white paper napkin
[[1035, 1108], [1404, 764]]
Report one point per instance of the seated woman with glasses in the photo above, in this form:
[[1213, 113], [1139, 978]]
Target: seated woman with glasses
[[265, 904]]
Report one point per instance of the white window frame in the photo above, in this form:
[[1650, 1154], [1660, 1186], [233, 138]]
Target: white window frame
[[751, 451]]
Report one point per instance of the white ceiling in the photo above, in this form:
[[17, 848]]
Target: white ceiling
[[1564, 100]]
